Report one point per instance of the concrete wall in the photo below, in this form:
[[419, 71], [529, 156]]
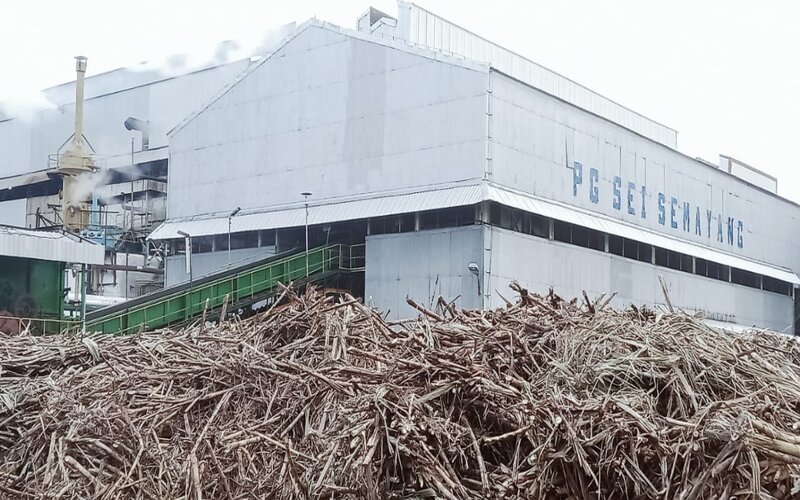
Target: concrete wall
[[334, 114], [537, 139], [210, 262], [538, 264], [422, 265]]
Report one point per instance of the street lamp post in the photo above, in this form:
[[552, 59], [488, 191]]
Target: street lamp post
[[188, 253], [306, 194], [231, 216]]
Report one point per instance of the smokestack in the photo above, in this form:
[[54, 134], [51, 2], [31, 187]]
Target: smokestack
[[80, 69], [75, 162]]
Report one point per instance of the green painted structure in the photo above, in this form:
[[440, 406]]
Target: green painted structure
[[32, 288], [241, 287]]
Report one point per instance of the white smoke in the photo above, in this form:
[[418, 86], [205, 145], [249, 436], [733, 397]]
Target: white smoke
[[26, 106]]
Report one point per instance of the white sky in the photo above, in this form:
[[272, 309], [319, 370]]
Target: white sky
[[725, 74]]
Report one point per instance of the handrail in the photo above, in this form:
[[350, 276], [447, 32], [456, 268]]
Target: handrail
[[16, 325]]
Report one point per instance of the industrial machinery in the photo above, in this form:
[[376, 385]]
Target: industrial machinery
[[31, 288]]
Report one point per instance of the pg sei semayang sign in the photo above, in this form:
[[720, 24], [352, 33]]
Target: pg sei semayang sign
[[677, 214]]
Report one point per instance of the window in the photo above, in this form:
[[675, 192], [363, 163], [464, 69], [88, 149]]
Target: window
[[701, 267], [662, 257], [202, 244], [777, 286], [267, 238], [674, 260], [220, 242], [249, 239], [745, 278], [597, 240], [615, 244], [561, 231], [540, 226]]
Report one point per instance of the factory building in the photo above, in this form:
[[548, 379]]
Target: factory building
[[461, 166], [126, 114]]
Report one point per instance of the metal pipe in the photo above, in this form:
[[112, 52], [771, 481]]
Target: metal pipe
[[80, 69], [230, 217], [306, 194]]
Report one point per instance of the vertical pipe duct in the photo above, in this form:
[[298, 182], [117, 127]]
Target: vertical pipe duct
[[75, 162]]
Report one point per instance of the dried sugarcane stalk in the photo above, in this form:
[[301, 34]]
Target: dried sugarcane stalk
[[542, 398]]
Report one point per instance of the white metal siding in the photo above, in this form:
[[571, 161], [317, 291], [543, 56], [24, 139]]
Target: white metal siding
[[539, 264], [333, 114], [430, 31], [537, 139]]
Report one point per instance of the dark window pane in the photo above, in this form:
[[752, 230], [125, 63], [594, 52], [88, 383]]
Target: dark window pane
[[466, 215], [448, 217], [237, 241], [597, 240], [686, 263], [220, 242], [495, 215], [580, 236], [630, 248], [662, 257], [615, 245], [745, 278], [377, 225], [505, 217], [777, 286], [202, 244], [645, 253], [267, 238], [701, 267], [674, 260], [541, 226], [561, 231], [429, 220], [406, 223]]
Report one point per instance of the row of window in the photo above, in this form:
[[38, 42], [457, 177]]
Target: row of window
[[536, 225], [204, 244]]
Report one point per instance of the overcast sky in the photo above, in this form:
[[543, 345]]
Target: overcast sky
[[725, 74]]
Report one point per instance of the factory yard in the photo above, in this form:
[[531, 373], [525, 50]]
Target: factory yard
[[323, 398]]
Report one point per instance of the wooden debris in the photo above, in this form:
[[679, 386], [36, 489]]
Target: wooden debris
[[540, 399]]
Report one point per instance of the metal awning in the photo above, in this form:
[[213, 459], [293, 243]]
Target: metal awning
[[598, 222], [328, 211], [46, 245], [322, 212]]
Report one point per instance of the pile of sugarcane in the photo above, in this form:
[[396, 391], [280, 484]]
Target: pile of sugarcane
[[323, 398]]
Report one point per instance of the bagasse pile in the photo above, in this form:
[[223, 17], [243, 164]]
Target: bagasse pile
[[541, 399]]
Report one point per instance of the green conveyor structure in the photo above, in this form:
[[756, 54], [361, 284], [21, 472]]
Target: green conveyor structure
[[243, 286]]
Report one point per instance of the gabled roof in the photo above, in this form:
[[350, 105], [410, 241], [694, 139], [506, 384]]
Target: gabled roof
[[315, 23]]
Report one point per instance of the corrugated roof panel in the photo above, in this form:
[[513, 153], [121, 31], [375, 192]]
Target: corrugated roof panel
[[322, 212], [59, 247]]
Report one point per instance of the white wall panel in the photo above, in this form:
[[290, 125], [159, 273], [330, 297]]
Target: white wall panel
[[335, 115], [538, 139], [422, 265], [538, 264]]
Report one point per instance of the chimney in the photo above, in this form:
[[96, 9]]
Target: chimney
[[76, 162]]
